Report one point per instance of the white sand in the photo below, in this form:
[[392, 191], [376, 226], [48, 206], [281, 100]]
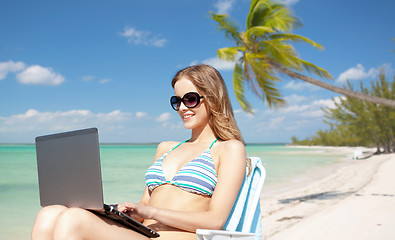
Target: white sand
[[357, 201]]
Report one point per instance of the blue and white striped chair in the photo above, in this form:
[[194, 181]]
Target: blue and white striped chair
[[244, 221]]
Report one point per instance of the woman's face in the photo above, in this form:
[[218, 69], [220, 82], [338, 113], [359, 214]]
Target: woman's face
[[192, 117]]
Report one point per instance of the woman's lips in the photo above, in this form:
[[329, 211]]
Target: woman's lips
[[186, 117]]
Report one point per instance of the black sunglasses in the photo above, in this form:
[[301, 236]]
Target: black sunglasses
[[190, 100]]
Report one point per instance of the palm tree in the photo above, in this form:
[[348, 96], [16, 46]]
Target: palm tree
[[263, 52]]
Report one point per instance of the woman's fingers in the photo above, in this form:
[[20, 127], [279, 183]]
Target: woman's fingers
[[133, 208], [130, 205], [126, 206], [130, 209]]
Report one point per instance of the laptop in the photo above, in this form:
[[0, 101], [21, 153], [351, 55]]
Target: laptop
[[69, 174]]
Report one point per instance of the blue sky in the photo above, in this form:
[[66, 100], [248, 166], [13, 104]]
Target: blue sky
[[66, 65]]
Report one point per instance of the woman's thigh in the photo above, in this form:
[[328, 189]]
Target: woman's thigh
[[80, 223]]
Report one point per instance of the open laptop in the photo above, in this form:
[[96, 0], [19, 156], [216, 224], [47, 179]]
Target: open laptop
[[69, 174]]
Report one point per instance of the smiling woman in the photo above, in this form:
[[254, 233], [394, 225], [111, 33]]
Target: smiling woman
[[192, 184]]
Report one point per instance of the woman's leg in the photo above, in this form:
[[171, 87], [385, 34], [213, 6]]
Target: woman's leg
[[77, 223], [45, 222]]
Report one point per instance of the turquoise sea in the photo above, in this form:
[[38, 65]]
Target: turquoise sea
[[123, 170]]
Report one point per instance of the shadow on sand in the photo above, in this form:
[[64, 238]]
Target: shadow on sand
[[316, 196]]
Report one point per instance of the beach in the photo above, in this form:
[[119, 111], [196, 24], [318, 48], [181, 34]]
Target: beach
[[355, 200], [309, 192]]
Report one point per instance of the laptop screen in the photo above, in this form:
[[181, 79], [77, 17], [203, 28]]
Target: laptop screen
[[69, 170]]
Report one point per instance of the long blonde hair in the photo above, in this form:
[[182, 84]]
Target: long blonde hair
[[211, 86]]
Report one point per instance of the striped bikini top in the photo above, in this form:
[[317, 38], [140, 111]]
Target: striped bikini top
[[197, 176]]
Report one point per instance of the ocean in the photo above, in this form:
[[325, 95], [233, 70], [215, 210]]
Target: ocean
[[123, 170]]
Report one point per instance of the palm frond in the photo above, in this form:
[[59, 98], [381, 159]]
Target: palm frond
[[315, 69], [259, 67], [225, 24], [270, 14], [238, 87], [259, 10], [258, 31], [229, 53], [252, 7], [280, 18], [251, 81], [280, 52], [311, 68], [256, 55], [295, 38], [264, 83]]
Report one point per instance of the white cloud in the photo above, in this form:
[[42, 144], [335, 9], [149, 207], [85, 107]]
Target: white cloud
[[33, 120], [114, 126], [295, 98], [275, 122], [87, 78], [355, 73], [38, 75], [10, 66], [359, 72], [224, 6], [163, 117], [35, 74], [294, 108], [217, 63], [299, 86], [312, 109], [105, 80], [142, 37], [141, 114]]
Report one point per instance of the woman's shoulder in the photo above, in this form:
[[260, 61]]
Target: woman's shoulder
[[232, 155], [166, 146], [231, 148], [231, 145]]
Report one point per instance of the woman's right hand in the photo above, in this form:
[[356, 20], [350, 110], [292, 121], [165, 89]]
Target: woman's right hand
[[122, 207]]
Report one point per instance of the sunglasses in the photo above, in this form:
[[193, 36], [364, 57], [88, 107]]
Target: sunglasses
[[190, 100]]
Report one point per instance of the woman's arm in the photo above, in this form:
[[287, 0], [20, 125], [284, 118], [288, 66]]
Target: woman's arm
[[230, 173]]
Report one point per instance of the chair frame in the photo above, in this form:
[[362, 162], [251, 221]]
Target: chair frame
[[224, 234]]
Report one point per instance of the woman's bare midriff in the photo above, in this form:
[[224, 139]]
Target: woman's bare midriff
[[173, 198]]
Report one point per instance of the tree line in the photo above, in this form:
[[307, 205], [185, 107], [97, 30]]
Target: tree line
[[354, 122]]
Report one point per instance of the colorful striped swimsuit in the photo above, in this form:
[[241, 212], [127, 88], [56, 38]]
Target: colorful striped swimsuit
[[197, 176]]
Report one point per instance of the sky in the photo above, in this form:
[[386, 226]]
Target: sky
[[67, 65]]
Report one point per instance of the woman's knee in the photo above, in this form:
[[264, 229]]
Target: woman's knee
[[72, 224], [45, 221]]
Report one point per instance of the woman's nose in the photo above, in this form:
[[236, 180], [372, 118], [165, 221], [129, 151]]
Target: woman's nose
[[183, 107]]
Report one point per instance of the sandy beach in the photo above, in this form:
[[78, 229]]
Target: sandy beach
[[355, 200]]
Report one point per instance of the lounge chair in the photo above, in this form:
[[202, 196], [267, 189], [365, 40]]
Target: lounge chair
[[244, 221]]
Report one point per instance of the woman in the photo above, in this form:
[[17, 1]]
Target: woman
[[191, 185]]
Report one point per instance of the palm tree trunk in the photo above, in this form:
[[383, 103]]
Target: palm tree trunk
[[343, 91]]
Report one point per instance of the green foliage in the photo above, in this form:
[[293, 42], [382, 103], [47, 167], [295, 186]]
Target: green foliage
[[357, 123], [264, 44]]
